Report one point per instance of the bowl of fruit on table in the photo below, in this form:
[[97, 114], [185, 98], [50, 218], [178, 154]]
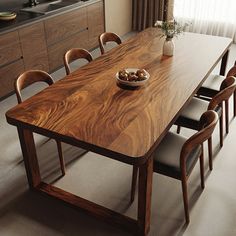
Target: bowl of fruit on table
[[132, 77]]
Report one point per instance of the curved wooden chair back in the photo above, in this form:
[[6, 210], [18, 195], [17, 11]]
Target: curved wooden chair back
[[232, 71], [108, 37], [228, 87], [208, 122], [75, 54], [28, 78]]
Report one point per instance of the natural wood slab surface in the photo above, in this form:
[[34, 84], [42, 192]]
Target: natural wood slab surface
[[88, 109]]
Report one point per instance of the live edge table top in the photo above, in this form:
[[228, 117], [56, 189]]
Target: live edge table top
[[89, 110]]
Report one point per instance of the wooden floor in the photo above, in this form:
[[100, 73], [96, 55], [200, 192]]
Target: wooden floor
[[107, 182]]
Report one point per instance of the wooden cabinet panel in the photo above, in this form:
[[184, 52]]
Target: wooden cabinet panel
[[34, 47], [43, 44], [63, 26], [57, 51], [8, 75], [9, 48], [95, 23]]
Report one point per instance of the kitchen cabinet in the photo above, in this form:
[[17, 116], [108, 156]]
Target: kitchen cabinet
[[63, 32], [34, 49], [95, 23], [57, 50], [8, 74], [63, 26], [41, 45], [11, 62]]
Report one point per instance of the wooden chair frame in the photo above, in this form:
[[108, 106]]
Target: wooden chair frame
[[208, 122], [28, 78], [75, 54], [210, 93], [108, 37], [228, 88]]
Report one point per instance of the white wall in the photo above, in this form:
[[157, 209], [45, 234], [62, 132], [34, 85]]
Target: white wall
[[118, 15]]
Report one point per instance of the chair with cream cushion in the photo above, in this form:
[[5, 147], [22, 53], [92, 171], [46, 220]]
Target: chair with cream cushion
[[191, 114], [177, 155], [213, 85]]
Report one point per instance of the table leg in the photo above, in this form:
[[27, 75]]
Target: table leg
[[144, 197], [30, 157], [224, 63]]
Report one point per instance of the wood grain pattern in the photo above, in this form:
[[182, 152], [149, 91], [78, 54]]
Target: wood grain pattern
[[88, 109], [145, 193], [8, 74], [65, 25], [30, 157], [9, 48], [95, 23], [57, 51], [34, 48]]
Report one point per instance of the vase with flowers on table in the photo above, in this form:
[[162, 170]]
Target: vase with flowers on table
[[169, 30]]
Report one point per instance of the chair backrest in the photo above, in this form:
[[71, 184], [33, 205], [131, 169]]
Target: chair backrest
[[228, 87], [75, 54], [208, 122], [232, 71], [108, 37], [28, 78]]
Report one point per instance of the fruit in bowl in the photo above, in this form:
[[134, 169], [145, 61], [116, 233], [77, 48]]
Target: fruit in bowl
[[132, 77]]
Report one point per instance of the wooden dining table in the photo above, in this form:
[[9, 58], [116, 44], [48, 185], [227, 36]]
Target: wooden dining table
[[90, 110]]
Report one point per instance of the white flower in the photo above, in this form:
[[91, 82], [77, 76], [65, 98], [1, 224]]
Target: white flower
[[158, 23]]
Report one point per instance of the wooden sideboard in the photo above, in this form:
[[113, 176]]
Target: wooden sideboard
[[41, 45]]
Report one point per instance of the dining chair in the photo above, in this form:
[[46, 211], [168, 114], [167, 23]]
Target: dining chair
[[28, 78], [214, 84], [190, 116], [177, 155], [75, 54], [108, 37]]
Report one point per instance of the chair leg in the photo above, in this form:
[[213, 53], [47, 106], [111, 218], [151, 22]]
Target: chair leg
[[134, 181], [227, 116], [201, 158], [221, 130], [234, 103], [178, 129], [210, 153], [62, 163], [185, 198]]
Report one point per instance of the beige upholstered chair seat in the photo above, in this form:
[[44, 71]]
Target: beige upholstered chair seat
[[195, 109], [213, 82]]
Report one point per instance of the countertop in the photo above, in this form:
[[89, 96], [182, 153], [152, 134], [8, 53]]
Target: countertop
[[26, 18]]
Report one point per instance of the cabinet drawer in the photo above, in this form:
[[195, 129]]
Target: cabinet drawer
[[63, 26], [9, 48], [8, 74], [57, 51], [95, 23], [34, 48]]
